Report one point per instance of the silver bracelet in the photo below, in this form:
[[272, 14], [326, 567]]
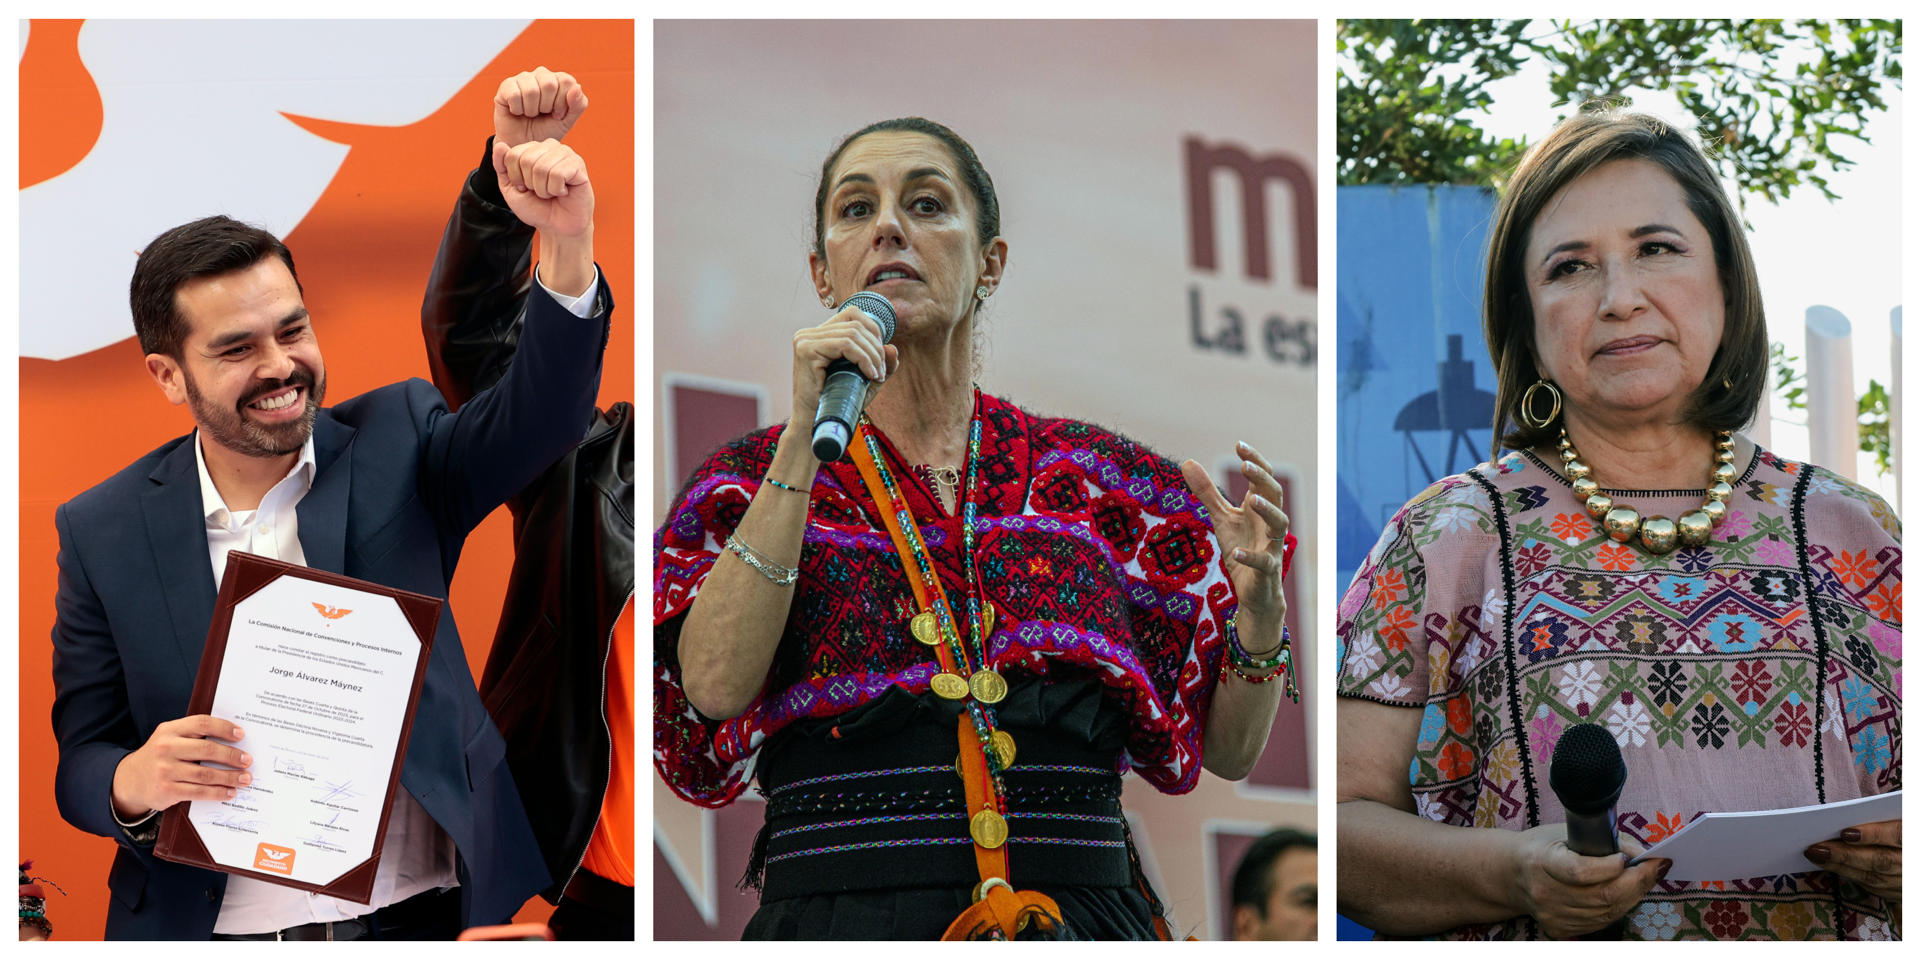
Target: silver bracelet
[[781, 576]]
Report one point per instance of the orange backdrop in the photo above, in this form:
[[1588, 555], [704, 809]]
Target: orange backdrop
[[83, 418]]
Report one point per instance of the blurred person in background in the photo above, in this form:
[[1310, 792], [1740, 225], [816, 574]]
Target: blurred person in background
[[1276, 888]]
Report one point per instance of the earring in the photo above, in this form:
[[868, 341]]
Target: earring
[[1525, 412], [981, 293], [827, 301]]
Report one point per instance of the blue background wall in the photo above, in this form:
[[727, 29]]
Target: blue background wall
[[1415, 394]]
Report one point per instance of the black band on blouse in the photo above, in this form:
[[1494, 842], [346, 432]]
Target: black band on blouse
[[1507, 647], [1799, 507]]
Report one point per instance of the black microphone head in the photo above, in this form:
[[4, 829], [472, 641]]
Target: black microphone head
[[877, 307], [1587, 772]]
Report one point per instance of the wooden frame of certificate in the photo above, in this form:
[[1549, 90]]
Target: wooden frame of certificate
[[180, 840]]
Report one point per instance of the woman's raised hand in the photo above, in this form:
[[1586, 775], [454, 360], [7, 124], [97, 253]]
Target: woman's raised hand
[[1571, 895], [849, 334], [1253, 535]]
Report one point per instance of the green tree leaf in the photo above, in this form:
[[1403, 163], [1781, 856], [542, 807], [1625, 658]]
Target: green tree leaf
[[1770, 96]]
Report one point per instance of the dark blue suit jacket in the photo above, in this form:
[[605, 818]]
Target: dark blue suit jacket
[[399, 483]]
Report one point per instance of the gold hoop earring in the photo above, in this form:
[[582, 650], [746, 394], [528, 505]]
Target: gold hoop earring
[[1525, 413]]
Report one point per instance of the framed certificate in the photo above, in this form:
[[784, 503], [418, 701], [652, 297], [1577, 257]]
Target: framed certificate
[[322, 674]]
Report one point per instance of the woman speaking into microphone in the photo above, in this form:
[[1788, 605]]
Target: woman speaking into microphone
[[1730, 617], [942, 651]]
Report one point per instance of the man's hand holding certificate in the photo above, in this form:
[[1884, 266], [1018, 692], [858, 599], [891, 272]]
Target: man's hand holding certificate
[[313, 679], [170, 768]]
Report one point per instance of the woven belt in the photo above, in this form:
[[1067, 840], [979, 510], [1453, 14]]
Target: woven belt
[[907, 827]]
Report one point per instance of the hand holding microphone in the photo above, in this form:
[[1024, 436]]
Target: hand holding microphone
[[833, 365], [1573, 877]]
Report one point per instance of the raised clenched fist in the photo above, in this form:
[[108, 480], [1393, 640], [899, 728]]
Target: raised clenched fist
[[537, 104], [545, 182]]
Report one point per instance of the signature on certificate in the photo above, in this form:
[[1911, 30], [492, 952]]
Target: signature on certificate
[[233, 821], [288, 766], [331, 791], [323, 843]]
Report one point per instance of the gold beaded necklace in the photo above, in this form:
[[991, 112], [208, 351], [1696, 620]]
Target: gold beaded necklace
[[1658, 534]]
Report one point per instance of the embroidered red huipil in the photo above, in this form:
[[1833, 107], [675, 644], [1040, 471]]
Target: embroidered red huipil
[[1097, 558]]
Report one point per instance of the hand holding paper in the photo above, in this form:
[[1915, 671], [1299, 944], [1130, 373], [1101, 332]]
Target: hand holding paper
[[1867, 854], [1765, 843]]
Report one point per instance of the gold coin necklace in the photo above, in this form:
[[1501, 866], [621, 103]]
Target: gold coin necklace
[[1658, 534], [981, 686], [985, 752], [988, 827]]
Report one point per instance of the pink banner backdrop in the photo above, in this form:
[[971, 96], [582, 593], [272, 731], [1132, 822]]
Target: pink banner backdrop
[[1157, 192]]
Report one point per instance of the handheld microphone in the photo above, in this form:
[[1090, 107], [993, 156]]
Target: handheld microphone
[[845, 389], [1588, 775]]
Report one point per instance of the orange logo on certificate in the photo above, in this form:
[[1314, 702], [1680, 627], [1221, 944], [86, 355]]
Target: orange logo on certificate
[[273, 859], [331, 613]]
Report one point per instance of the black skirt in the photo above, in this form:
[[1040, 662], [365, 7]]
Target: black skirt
[[866, 834]]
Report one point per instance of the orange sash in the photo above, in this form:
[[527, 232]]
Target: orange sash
[[998, 911]]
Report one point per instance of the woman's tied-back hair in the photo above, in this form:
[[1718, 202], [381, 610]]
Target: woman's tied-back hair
[[1582, 143]]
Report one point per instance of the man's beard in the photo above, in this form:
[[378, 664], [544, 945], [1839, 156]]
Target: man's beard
[[236, 431]]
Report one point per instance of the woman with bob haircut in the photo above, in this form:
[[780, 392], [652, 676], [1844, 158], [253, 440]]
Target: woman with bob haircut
[[1731, 618], [941, 657]]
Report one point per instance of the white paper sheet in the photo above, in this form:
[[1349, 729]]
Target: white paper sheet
[[1764, 843]]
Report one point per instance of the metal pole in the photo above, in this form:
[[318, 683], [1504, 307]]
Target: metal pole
[[1895, 392], [1760, 431], [1833, 412]]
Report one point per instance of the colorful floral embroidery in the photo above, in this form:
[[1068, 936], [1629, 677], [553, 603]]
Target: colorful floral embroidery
[[1573, 527], [1855, 570], [1762, 665], [1656, 920], [1616, 556]]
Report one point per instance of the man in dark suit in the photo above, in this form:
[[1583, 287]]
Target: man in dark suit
[[384, 487]]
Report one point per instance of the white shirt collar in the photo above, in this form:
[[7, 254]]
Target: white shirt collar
[[214, 507]]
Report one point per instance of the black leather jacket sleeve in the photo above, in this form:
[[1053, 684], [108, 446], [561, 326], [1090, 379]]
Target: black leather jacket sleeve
[[477, 294], [545, 678]]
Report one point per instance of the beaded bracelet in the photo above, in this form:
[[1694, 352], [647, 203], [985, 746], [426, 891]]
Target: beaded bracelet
[[1239, 655], [781, 576], [1228, 666], [786, 486]]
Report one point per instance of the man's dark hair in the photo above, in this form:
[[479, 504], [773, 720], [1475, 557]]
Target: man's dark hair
[[206, 247], [1253, 878]]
